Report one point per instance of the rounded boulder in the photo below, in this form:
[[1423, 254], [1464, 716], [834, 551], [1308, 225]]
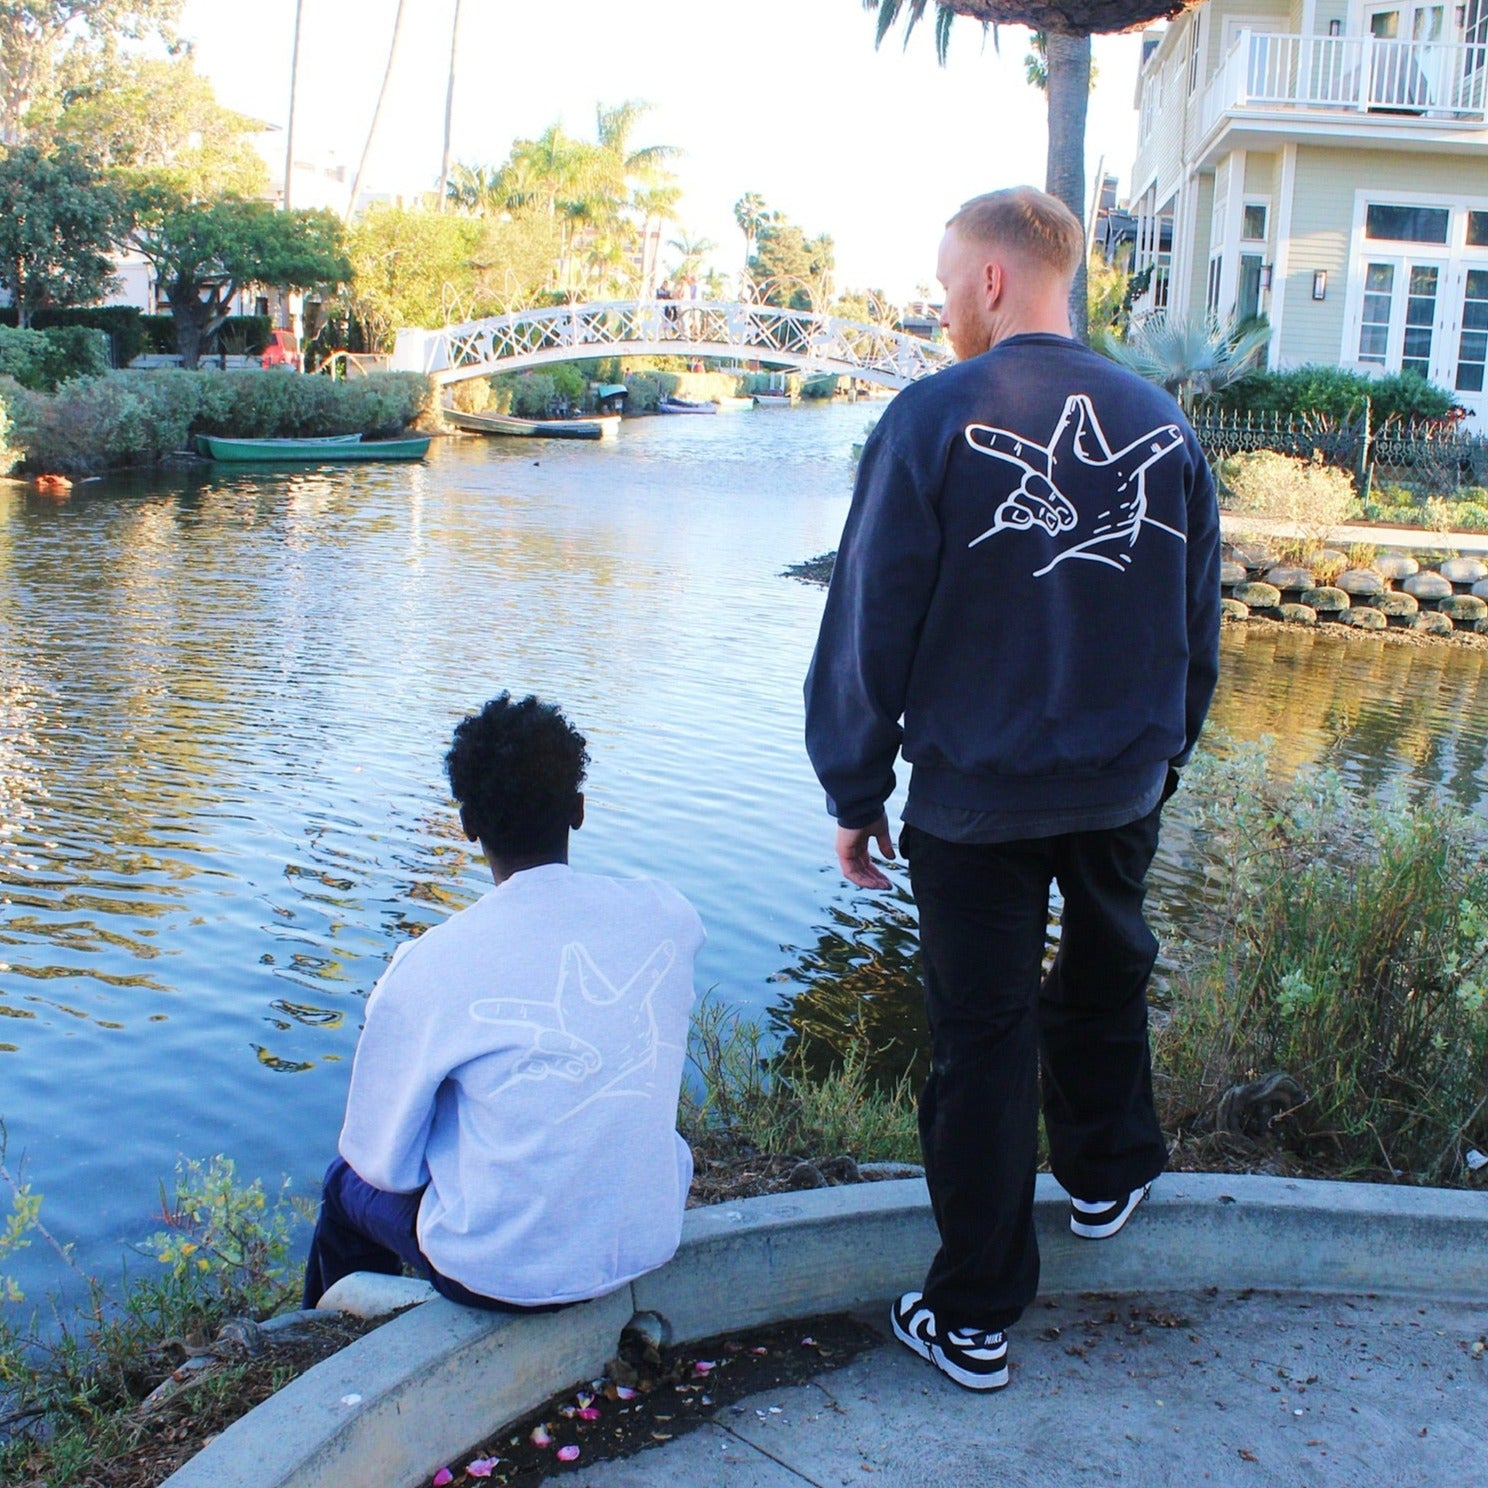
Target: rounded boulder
[[1258, 596], [1255, 556], [1399, 606], [1432, 625], [1397, 566], [1326, 600], [1363, 583], [1231, 574], [1299, 614], [1426, 586], [1464, 571], [1232, 609], [1291, 580], [1364, 617], [1463, 609]]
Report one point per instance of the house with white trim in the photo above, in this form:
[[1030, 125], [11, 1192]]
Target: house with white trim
[[1324, 163]]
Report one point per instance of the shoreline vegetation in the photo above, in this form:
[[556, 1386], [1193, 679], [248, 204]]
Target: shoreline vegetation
[[1323, 1013]]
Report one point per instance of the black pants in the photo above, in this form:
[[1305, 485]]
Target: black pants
[[995, 1019]]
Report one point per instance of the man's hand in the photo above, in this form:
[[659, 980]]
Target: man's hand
[[852, 853]]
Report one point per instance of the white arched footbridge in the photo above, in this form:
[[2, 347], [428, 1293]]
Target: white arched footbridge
[[694, 328]]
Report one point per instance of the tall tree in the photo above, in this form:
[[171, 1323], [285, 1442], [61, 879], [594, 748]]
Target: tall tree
[[58, 220], [790, 269], [204, 253], [294, 93], [449, 107], [751, 214], [158, 120], [44, 42], [387, 75], [1067, 26]]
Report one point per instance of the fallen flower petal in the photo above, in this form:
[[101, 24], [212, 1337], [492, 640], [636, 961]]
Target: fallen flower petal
[[704, 1366], [481, 1467], [624, 1392], [443, 1476], [540, 1437], [588, 1414], [568, 1454], [808, 1343]]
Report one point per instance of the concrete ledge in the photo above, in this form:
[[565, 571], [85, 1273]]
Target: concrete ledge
[[434, 1382]]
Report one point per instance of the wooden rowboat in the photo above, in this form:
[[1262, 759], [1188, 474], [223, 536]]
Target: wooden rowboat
[[205, 452], [335, 450], [504, 423]]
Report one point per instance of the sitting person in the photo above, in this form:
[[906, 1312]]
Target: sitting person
[[510, 1131]]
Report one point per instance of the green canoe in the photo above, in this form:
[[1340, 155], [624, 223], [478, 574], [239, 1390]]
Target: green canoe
[[336, 449]]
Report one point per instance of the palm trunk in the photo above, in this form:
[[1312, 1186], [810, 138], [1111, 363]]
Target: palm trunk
[[1069, 95], [356, 185], [294, 81], [449, 109]]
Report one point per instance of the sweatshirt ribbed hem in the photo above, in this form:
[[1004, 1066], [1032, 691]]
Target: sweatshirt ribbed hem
[[1041, 793]]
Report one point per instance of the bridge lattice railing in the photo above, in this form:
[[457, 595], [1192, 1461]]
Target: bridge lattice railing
[[755, 330]]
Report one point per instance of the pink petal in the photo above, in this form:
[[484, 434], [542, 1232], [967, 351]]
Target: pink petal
[[704, 1366], [808, 1343], [624, 1392], [443, 1476], [759, 1351], [540, 1437], [481, 1467], [588, 1414], [568, 1454]]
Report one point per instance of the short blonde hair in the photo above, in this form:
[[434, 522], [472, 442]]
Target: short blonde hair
[[1030, 222]]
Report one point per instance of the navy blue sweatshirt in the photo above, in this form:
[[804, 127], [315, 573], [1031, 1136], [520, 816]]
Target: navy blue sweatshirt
[[1029, 579]]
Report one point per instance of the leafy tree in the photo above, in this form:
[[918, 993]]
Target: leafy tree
[[45, 43], [159, 119], [1066, 27], [204, 253], [791, 269], [57, 222], [409, 268]]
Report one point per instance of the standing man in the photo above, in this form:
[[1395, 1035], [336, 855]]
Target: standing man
[[1029, 579]]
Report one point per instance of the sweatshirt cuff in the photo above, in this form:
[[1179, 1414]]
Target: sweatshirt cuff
[[857, 820]]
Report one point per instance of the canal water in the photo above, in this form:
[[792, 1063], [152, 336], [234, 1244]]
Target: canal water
[[224, 701]]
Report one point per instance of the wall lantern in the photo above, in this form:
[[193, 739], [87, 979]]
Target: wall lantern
[[1335, 27], [1320, 284], [1265, 282]]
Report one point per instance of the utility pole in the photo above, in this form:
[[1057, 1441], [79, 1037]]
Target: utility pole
[[449, 108]]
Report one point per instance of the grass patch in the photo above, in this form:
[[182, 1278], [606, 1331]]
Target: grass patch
[[1344, 945]]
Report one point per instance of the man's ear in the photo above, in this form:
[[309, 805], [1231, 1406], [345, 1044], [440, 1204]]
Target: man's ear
[[994, 283], [578, 813], [470, 833]]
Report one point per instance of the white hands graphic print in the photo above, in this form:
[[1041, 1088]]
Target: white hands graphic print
[[593, 1039], [1078, 448]]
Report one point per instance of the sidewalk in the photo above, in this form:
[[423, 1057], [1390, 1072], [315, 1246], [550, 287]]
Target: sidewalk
[[1242, 1388], [1405, 539]]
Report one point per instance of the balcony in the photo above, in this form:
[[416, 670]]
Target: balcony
[[1349, 78]]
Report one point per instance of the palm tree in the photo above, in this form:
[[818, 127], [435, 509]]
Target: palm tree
[[361, 170], [1192, 358], [693, 250], [1067, 27], [751, 214], [449, 108]]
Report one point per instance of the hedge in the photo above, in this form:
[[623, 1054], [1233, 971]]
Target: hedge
[[40, 360], [120, 419], [1335, 393]]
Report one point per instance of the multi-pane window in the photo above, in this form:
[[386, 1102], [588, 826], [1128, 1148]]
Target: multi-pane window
[[1374, 330], [1472, 350], [1477, 229], [1406, 224], [1420, 318]]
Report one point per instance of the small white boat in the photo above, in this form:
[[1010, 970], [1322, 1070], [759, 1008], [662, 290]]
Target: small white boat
[[684, 405], [734, 405], [603, 427], [773, 400]]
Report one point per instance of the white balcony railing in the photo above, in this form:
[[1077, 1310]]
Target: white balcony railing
[[1358, 74]]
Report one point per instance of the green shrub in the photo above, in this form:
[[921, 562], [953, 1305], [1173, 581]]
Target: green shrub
[[820, 387], [42, 360], [8, 456], [1344, 943], [647, 389], [133, 418], [238, 335], [1334, 393], [1315, 496], [120, 324]]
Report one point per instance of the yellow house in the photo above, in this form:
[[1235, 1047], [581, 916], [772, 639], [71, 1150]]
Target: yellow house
[[1324, 163]]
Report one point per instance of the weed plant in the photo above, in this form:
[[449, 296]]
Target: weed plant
[[748, 1100], [70, 1387], [1315, 496], [1345, 944]]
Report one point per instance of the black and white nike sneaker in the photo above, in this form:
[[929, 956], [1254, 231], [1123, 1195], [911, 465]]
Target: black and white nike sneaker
[[1103, 1218], [973, 1358]]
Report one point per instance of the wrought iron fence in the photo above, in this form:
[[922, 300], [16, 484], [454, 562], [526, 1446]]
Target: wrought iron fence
[[1437, 457]]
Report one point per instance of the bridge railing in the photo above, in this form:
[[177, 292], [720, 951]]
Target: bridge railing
[[706, 327]]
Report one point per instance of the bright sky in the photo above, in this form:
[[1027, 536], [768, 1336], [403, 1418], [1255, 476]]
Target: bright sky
[[784, 97]]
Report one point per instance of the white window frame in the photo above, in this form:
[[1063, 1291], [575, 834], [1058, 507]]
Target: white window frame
[[1264, 202], [1453, 257]]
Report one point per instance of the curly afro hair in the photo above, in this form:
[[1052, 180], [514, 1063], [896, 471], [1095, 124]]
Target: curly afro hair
[[515, 768]]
